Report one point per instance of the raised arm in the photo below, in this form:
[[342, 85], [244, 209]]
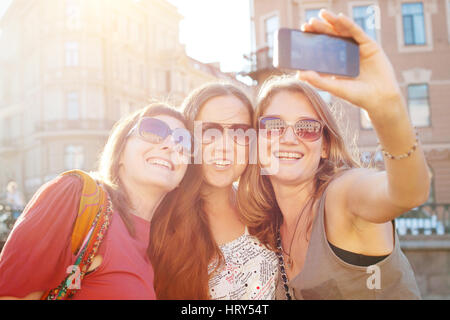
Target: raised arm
[[375, 196]]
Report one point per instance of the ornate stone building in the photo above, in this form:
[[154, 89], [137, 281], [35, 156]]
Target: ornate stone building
[[71, 68]]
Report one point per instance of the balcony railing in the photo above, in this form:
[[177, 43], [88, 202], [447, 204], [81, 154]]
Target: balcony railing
[[427, 219]]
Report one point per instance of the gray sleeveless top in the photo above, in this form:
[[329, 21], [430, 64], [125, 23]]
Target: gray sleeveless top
[[326, 276]]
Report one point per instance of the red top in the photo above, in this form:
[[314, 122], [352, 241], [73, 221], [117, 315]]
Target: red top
[[37, 253]]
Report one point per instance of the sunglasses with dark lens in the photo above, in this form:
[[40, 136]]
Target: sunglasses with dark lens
[[236, 131], [305, 128], [156, 131]]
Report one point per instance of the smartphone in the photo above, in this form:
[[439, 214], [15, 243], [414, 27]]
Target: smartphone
[[295, 49]]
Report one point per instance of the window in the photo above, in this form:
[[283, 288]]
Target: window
[[5, 129], [270, 27], [419, 109], [116, 66], [157, 38], [168, 81], [134, 30], [73, 157], [413, 23], [124, 27], [448, 18], [130, 71], [72, 54], [73, 106], [139, 31], [365, 16], [73, 14], [16, 128], [116, 112], [431, 196], [311, 13], [141, 76], [114, 22]]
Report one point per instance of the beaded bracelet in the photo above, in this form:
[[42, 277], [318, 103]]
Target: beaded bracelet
[[404, 155]]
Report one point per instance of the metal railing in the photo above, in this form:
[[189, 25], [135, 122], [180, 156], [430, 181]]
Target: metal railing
[[427, 219]]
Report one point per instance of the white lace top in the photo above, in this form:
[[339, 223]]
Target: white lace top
[[250, 271]]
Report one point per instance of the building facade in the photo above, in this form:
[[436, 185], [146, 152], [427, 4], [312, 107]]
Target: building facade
[[71, 68], [415, 36]]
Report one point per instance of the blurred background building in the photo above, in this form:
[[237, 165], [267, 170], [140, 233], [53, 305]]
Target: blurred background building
[[416, 37], [71, 68]]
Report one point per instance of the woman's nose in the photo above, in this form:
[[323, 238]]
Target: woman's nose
[[168, 143], [224, 141], [289, 136]]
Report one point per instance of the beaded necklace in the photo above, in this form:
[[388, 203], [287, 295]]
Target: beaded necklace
[[282, 268], [280, 251]]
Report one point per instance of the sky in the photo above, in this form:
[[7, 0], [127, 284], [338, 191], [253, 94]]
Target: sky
[[212, 30], [216, 30], [4, 4]]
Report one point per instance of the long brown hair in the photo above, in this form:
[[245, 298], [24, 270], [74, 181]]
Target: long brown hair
[[256, 197], [182, 245], [109, 162]]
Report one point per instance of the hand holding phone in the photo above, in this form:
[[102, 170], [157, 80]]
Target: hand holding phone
[[376, 87], [295, 49]]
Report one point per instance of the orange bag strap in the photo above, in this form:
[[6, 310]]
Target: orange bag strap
[[92, 198]]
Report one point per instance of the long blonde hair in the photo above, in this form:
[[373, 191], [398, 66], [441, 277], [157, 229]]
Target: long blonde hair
[[256, 197]]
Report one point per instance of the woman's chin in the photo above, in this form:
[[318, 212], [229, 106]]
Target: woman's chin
[[288, 176], [219, 180], [220, 183], [160, 180]]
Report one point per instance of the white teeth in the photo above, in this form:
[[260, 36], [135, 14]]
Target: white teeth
[[289, 155], [222, 162], [160, 162]]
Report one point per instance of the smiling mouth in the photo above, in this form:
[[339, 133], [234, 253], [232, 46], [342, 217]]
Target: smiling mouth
[[221, 163], [282, 155], [161, 163]]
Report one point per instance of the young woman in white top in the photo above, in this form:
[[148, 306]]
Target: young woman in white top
[[200, 247]]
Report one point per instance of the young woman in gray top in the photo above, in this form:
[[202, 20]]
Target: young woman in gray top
[[330, 220]]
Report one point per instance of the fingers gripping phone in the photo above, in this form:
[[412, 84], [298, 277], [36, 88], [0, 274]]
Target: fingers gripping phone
[[295, 49]]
